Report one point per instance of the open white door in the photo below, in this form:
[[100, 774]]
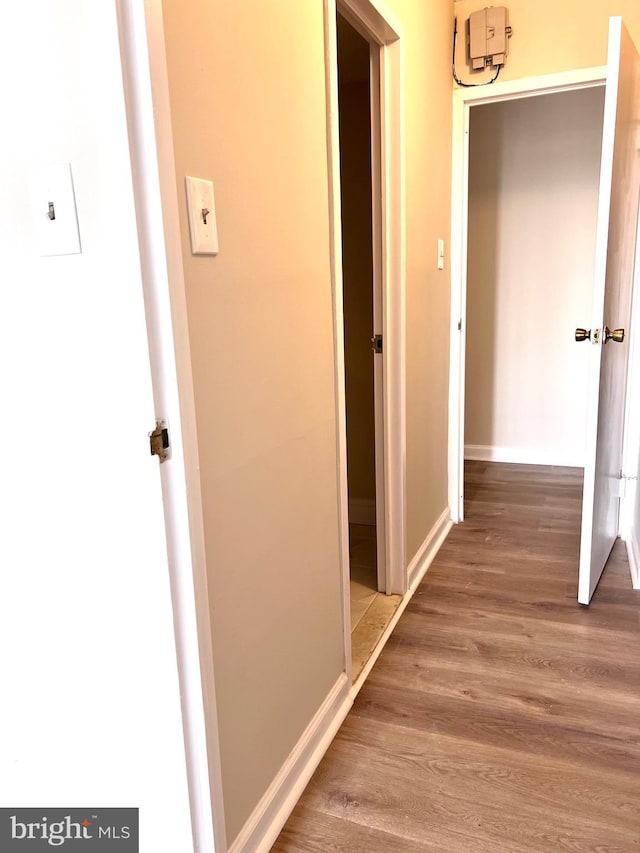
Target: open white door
[[378, 318], [614, 268]]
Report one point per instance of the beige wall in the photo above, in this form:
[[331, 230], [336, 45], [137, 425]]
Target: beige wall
[[247, 90], [427, 106], [357, 270], [247, 86], [533, 191], [427, 114], [549, 36]]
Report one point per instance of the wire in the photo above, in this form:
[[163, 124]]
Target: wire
[[453, 64]]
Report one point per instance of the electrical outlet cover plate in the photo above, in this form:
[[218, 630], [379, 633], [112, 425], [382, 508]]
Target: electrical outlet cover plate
[[202, 216]]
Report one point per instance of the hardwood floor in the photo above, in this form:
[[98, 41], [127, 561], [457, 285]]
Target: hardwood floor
[[502, 717]]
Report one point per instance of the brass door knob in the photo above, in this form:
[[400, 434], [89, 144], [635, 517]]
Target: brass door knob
[[583, 334], [617, 335]]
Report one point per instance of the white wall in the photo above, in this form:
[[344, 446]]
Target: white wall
[[630, 526], [632, 534], [90, 701], [630, 506], [533, 185]]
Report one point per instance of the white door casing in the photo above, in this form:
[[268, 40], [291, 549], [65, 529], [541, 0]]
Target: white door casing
[[613, 280], [463, 100], [377, 24]]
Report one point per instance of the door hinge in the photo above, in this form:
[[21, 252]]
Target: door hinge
[[623, 479], [159, 441], [376, 344]]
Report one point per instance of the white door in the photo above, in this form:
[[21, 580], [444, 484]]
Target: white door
[[384, 583], [91, 712], [614, 266]]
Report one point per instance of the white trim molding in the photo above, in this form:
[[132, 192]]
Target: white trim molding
[[267, 819], [463, 100], [633, 552], [523, 455], [379, 26], [335, 249], [144, 71], [428, 550]]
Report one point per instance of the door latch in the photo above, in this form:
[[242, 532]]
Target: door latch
[[376, 344], [159, 441]]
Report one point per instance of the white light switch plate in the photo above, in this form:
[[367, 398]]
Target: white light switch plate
[[53, 207], [202, 216], [440, 254]]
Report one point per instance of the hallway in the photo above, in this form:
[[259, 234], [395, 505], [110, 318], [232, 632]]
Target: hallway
[[502, 717]]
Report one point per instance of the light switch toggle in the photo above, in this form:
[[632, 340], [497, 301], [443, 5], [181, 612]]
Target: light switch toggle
[[202, 216], [53, 210]]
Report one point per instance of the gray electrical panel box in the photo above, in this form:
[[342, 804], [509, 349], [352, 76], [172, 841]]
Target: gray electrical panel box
[[488, 32]]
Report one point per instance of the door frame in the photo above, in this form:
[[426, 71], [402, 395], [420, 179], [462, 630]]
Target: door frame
[[144, 75], [463, 100], [380, 27]]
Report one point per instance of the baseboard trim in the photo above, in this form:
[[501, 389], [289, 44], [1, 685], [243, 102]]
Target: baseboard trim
[[633, 552], [429, 548], [362, 511], [415, 572], [267, 819], [522, 455]]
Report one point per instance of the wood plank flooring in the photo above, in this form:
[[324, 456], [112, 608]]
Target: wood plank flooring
[[502, 717]]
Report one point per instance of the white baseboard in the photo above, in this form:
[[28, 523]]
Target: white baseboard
[[362, 511], [523, 455], [416, 571], [267, 819], [633, 552], [429, 548]]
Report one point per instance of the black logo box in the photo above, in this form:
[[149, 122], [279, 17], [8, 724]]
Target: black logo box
[[69, 830]]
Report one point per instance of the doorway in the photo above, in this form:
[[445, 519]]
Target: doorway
[[613, 266], [381, 35], [480, 319], [371, 608], [534, 166]]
